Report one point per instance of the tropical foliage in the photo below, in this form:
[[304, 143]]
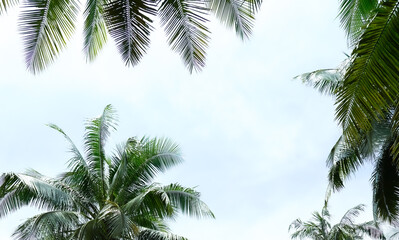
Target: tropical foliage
[[320, 228], [370, 88], [366, 90], [47, 25], [101, 196], [372, 146]]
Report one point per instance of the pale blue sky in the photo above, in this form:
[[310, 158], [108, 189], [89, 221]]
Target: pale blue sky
[[254, 140]]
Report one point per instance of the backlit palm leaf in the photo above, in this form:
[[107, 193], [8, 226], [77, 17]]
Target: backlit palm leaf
[[236, 14], [129, 23], [95, 32], [97, 132], [354, 14], [46, 25], [184, 25]]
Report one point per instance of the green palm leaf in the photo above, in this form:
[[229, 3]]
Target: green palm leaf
[[187, 200], [354, 14], [80, 175], [156, 156], [158, 235], [129, 23], [236, 14], [97, 132], [6, 4], [31, 188], [48, 225], [95, 32], [370, 84], [46, 25], [184, 25], [385, 181]]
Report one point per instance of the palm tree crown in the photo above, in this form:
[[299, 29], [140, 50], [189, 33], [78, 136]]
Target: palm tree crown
[[46, 26], [320, 228], [101, 196]]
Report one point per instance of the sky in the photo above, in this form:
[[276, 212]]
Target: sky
[[254, 139]]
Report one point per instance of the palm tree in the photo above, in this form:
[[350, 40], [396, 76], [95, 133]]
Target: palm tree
[[47, 25], [374, 145], [103, 197], [370, 84], [319, 227]]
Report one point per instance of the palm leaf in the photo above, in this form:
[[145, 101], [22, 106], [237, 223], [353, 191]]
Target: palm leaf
[[48, 225], [46, 25], [6, 4], [326, 81], [97, 132], [95, 32], [156, 156], [354, 14], [150, 201], [31, 188], [235, 13], [184, 25], [385, 181], [187, 200], [129, 24], [80, 175], [370, 83], [158, 235], [348, 218], [371, 229], [343, 161]]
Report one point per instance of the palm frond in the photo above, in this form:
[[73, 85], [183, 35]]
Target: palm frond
[[115, 221], [95, 32], [343, 161], [348, 218], [6, 4], [371, 229], [326, 81], [31, 188], [187, 200], [237, 14], [370, 83], [158, 235], [354, 14], [156, 156], [184, 25], [80, 175], [97, 132], [48, 225], [385, 181], [129, 23], [150, 201], [46, 25]]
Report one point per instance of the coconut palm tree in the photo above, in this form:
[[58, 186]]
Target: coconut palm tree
[[320, 228], [47, 25], [373, 145], [370, 80], [101, 196]]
